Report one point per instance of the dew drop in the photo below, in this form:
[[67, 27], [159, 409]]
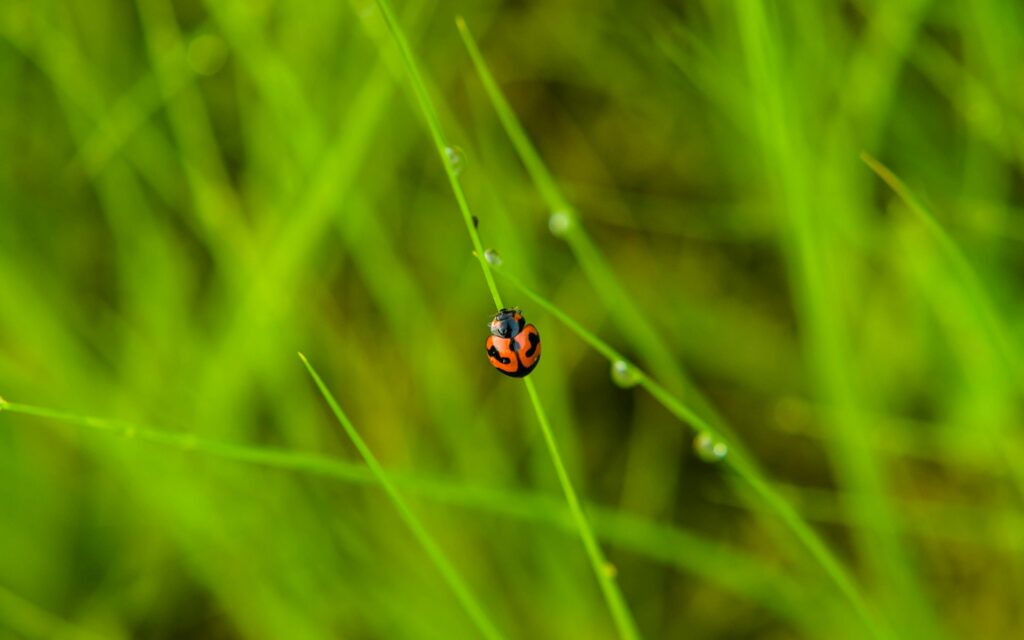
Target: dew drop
[[708, 448], [559, 223], [610, 570], [206, 54], [624, 375], [492, 257], [456, 158]]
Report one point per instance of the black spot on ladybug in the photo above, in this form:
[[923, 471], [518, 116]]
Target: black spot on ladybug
[[493, 352], [534, 339]]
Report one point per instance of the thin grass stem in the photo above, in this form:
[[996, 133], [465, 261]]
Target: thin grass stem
[[609, 588], [737, 459], [732, 569], [451, 576], [620, 612]]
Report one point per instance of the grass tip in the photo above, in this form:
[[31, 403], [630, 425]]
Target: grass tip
[[884, 173], [303, 358], [460, 22]]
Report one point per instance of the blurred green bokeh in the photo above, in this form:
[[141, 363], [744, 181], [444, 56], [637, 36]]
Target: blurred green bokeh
[[191, 192]]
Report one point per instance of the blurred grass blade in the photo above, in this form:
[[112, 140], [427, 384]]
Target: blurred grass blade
[[1003, 443], [733, 570], [1005, 347], [437, 556], [524, 148], [737, 458], [440, 142]]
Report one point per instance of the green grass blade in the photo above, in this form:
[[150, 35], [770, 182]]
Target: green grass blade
[[620, 612], [1006, 447], [737, 459], [440, 142], [531, 159], [987, 315], [730, 569], [437, 556], [593, 263], [609, 589]]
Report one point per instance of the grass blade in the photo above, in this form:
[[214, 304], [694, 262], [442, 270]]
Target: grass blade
[[462, 592], [987, 315], [732, 570], [737, 459], [609, 588], [620, 612], [440, 141], [1006, 447]]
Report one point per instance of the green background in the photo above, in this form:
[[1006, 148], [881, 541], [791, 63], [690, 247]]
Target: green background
[[191, 193]]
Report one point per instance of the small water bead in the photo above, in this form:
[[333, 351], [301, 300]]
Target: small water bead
[[708, 449], [610, 570], [456, 158], [492, 257], [624, 375], [559, 223]]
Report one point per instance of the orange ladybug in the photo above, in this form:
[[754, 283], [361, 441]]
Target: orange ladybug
[[513, 346]]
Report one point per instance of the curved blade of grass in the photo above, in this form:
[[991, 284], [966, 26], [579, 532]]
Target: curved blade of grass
[[730, 569], [983, 307], [462, 592], [987, 315], [609, 588], [737, 459]]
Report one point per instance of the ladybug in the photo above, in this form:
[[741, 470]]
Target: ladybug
[[513, 346]]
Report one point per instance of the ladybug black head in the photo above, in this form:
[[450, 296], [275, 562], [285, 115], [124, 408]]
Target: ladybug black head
[[507, 323]]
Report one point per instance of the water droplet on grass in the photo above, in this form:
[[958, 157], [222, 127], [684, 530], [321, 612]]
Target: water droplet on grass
[[624, 375], [559, 223], [492, 257], [456, 158], [708, 448], [610, 570]]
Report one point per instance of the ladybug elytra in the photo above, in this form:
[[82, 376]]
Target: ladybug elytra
[[513, 346]]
